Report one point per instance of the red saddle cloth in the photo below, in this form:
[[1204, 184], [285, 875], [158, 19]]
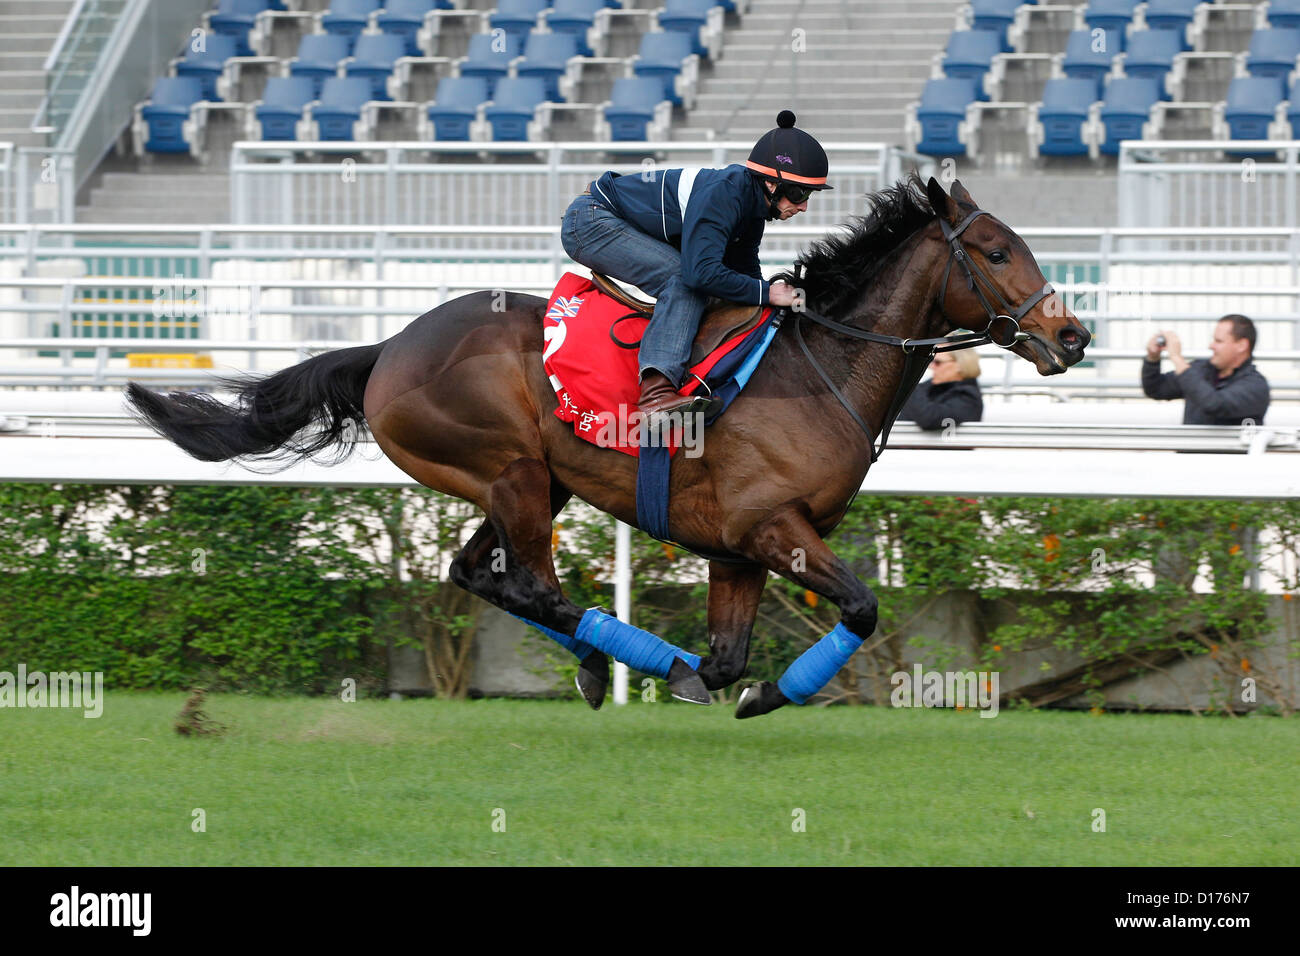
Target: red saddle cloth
[[595, 379]]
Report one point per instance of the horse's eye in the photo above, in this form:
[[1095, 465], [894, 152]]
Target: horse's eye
[[997, 257]]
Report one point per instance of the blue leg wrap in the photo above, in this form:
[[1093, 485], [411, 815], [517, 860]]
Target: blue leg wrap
[[571, 644], [816, 666], [636, 648]]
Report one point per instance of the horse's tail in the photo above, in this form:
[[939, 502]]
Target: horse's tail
[[284, 417]]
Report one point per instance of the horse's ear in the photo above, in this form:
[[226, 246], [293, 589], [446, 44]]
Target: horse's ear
[[960, 194], [940, 201]]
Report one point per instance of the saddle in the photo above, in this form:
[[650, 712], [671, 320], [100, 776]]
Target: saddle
[[722, 321]]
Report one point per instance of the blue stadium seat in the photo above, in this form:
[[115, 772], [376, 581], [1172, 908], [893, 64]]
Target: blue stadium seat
[[347, 18], [546, 56], [167, 110], [1173, 15], [575, 17], [373, 59], [1089, 59], [404, 18], [1063, 112], [513, 107], [208, 63], [1273, 52], [687, 16], [318, 58], [489, 57], [1151, 55], [631, 107], [1125, 108], [234, 18], [942, 109], [281, 106], [456, 106], [994, 16], [1293, 109], [661, 55], [517, 17], [1284, 13], [341, 99], [1251, 105], [968, 56], [1110, 15]]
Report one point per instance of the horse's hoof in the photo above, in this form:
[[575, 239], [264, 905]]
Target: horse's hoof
[[593, 679], [685, 684], [758, 699]]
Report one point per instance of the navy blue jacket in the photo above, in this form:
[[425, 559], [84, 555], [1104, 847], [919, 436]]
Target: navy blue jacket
[[1211, 400], [725, 212], [931, 405]]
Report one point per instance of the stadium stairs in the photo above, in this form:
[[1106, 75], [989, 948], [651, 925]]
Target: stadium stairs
[[861, 64], [28, 29]]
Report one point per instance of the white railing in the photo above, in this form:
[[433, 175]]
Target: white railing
[[1210, 183], [42, 451], [37, 419], [6, 182], [44, 185], [323, 184], [246, 279]]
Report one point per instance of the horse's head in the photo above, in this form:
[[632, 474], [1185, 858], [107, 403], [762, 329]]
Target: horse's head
[[1000, 286]]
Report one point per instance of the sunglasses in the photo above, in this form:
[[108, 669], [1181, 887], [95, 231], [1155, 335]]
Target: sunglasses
[[796, 194]]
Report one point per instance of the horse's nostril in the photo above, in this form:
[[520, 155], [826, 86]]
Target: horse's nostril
[[1073, 339]]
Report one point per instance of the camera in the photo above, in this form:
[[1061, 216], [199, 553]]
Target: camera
[[1160, 341]]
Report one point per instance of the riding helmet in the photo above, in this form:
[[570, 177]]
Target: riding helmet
[[787, 154]]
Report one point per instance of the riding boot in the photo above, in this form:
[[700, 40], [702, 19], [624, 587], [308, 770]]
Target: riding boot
[[659, 399]]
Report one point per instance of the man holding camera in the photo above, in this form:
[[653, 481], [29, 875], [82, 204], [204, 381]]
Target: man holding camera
[[1225, 389]]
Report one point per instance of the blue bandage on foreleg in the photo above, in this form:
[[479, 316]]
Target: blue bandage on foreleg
[[579, 649], [816, 666], [634, 647]]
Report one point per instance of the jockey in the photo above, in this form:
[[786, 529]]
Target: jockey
[[683, 235]]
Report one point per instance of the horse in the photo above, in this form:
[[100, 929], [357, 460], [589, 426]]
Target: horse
[[459, 400]]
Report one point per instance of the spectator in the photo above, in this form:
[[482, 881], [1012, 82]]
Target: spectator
[[1225, 389], [951, 395]]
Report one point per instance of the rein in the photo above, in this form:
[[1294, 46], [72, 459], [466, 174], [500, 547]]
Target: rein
[[919, 352]]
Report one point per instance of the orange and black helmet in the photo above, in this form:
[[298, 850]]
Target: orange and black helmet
[[789, 156]]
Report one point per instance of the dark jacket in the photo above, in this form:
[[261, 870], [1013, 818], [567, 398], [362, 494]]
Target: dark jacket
[[1210, 400], [714, 216], [931, 405]]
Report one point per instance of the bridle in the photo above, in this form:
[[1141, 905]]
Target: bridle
[[1010, 313], [919, 352]]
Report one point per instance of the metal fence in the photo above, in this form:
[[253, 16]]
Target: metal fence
[[329, 184], [361, 284], [1201, 184], [6, 182]]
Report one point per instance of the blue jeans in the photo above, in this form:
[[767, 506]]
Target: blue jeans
[[601, 241]]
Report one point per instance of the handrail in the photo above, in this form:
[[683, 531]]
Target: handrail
[[1071, 435], [63, 36]]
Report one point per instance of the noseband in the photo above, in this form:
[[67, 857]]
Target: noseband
[[919, 352]]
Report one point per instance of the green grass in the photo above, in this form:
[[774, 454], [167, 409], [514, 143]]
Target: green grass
[[319, 781]]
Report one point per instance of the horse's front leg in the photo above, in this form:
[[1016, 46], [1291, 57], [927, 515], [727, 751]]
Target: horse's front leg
[[734, 593], [789, 545]]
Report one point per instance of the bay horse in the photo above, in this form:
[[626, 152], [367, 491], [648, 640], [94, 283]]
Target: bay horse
[[459, 400]]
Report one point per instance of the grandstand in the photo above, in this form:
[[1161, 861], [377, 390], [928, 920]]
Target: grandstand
[[306, 174]]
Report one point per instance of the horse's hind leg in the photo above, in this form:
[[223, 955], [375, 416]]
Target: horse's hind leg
[[519, 509], [734, 593], [477, 569], [776, 542]]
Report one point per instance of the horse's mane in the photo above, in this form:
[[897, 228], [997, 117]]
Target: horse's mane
[[834, 270]]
